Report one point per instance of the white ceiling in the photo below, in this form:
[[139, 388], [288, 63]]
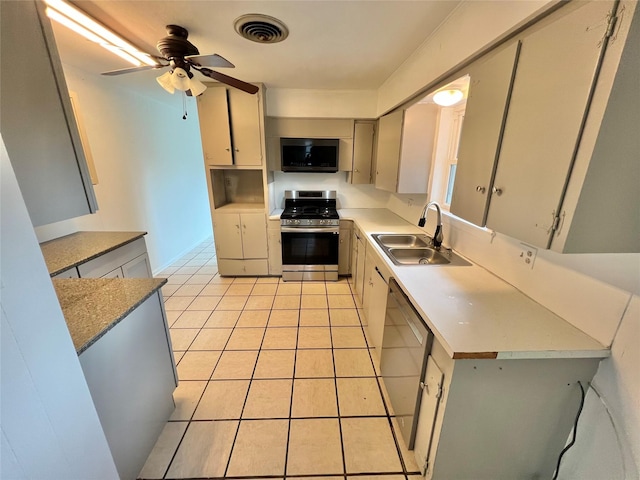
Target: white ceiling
[[349, 44]]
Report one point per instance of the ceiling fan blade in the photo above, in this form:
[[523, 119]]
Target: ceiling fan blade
[[214, 60], [132, 70], [233, 82]]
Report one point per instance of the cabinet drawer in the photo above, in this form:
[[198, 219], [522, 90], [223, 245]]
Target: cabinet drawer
[[230, 267], [108, 262]]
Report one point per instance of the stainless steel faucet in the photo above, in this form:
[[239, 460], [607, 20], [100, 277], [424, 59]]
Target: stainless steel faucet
[[437, 236]]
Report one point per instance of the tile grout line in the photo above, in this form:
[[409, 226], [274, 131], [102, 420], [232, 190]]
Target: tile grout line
[[255, 366], [197, 404], [293, 381]]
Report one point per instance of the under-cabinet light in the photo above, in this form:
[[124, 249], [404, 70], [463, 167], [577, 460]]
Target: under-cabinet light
[[72, 18], [447, 98]]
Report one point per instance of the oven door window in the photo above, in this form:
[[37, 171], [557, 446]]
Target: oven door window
[[310, 248]]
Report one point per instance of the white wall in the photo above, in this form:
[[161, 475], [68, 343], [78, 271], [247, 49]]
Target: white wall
[[149, 164], [50, 428], [288, 102]]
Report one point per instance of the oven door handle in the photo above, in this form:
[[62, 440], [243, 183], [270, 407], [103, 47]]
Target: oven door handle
[[310, 230]]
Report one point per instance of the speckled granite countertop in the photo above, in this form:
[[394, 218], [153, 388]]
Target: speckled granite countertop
[[93, 306], [72, 250]]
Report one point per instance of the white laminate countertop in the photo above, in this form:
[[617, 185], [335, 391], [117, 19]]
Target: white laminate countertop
[[472, 312]]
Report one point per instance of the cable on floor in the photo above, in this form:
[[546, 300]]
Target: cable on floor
[[575, 429]]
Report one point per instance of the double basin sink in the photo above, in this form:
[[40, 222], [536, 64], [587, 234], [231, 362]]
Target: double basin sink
[[409, 249]]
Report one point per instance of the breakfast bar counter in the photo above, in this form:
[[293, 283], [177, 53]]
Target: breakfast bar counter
[[93, 306]]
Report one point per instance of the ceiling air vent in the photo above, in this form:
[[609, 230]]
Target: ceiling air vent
[[261, 28]]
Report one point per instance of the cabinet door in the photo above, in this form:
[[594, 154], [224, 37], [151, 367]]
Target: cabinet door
[[388, 150], [416, 151], [275, 251], [71, 273], [431, 395], [375, 304], [36, 119], [227, 236], [245, 127], [363, 136], [254, 235], [360, 274], [139, 267], [117, 273], [344, 252], [489, 89], [213, 112], [556, 72]]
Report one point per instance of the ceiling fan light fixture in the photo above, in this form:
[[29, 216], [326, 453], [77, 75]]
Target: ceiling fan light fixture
[[165, 82], [196, 87], [260, 28], [76, 20], [447, 98]]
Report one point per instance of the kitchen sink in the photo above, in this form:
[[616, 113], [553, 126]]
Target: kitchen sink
[[409, 249], [417, 256], [399, 240]]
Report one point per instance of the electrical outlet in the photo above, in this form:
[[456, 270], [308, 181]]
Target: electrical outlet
[[528, 254], [227, 181]]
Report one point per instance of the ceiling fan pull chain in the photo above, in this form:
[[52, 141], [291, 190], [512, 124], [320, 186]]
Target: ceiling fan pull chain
[[184, 105]]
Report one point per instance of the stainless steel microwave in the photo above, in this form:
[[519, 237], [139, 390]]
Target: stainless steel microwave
[[309, 154]]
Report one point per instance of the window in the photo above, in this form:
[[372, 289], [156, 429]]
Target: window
[[445, 154]]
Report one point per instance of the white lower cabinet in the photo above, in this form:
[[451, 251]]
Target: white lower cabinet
[[129, 261], [487, 419], [274, 241], [375, 291], [358, 242], [344, 249], [241, 243]]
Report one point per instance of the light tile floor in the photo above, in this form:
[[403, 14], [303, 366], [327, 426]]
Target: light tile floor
[[276, 380]]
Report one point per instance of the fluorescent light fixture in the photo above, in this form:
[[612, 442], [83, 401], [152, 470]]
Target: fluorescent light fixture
[[447, 98], [74, 19], [179, 79]]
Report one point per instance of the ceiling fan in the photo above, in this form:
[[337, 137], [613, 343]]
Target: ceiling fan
[[181, 56]]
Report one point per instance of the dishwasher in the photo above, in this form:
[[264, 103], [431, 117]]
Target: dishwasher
[[406, 345]]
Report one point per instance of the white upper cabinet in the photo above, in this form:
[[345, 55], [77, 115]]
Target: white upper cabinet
[[230, 126], [405, 148], [601, 208], [489, 88], [37, 121], [363, 142], [556, 74]]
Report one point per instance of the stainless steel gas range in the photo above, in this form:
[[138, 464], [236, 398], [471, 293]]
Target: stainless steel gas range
[[310, 228]]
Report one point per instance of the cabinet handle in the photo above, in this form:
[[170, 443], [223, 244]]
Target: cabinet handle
[[237, 226], [236, 150], [228, 149], [357, 171], [497, 191], [480, 189]]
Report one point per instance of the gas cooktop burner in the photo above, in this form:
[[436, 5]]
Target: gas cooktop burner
[[312, 207]]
